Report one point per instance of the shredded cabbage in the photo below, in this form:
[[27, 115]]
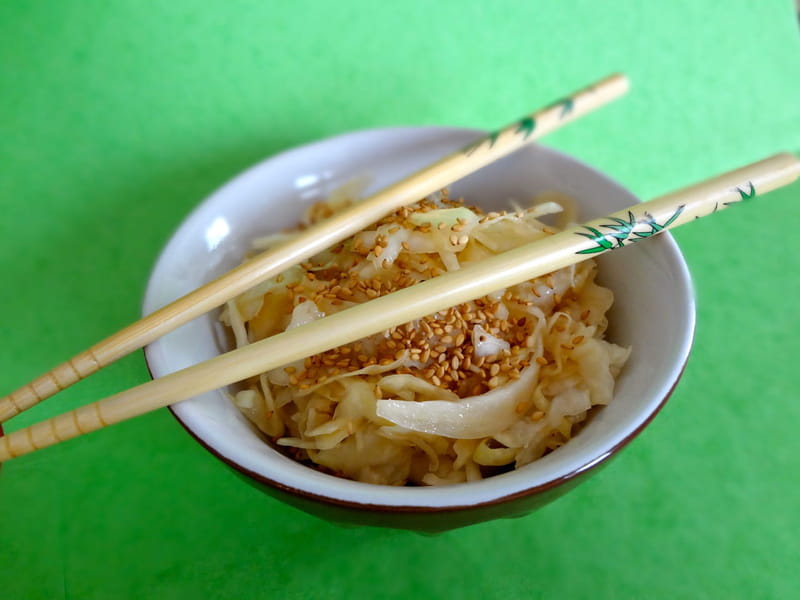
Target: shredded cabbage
[[488, 385]]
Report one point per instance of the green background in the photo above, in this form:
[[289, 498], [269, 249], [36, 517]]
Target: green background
[[116, 118]]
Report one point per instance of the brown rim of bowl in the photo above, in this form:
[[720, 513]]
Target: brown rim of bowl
[[548, 485]]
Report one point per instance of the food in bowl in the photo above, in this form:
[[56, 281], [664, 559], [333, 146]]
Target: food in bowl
[[657, 319], [481, 388]]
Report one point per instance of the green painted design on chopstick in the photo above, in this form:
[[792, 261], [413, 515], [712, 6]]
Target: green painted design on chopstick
[[491, 138], [655, 227], [745, 195], [470, 149], [621, 231], [526, 126], [566, 104], [601, 239]]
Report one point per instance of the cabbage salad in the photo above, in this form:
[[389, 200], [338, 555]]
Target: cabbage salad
[[468, 392]]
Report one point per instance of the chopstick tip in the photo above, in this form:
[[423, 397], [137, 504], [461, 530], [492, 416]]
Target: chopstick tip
[[788, 162], [618, 84], [620, 77]]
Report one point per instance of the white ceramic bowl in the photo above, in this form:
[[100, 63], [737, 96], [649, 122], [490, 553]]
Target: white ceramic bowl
[[654, 312]]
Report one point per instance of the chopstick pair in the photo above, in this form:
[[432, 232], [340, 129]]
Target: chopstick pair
[[403, 306], [313, 240], [575, 244]]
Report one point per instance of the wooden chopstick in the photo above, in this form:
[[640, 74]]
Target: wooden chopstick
[[313, 240], [473, 281]]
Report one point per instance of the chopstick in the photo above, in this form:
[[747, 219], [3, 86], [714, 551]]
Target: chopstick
[[535, 259], [313, 240]]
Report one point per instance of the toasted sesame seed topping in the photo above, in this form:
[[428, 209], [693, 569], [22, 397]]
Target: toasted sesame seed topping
[[437, 348]]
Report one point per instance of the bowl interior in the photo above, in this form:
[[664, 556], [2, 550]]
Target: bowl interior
[[653, 311]]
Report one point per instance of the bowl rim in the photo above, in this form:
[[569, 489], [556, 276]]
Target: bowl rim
[[590, 464]]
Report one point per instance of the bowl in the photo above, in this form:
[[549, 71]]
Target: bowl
[[654, 313]]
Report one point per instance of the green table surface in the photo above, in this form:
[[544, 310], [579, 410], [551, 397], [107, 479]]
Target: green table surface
[[117, 117]]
